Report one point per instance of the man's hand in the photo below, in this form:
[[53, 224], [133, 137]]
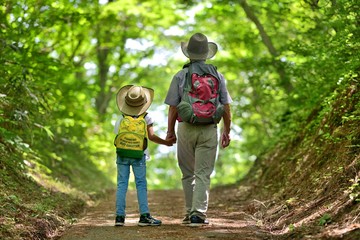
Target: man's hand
[[225, 139], [171, 136]]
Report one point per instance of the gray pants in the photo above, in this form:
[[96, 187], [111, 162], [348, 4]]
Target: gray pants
[[196, 150]]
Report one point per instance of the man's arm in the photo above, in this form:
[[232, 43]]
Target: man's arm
[[172, 115], [225, 137]]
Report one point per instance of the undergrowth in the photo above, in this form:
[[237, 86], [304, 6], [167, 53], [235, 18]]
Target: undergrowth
[[311, 183], [35, 204]]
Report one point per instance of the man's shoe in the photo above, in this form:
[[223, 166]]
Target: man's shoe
[[147, 220], [196, 221], [186, 220], [119, 221]]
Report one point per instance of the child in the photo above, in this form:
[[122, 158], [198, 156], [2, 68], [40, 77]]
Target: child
[[133, 101]]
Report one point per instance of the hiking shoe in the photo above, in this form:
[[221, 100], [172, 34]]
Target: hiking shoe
[[119, 221], [196, 221], [186, 220], [147, 220]]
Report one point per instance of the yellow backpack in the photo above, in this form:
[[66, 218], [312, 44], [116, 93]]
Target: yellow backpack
[[131, 140]]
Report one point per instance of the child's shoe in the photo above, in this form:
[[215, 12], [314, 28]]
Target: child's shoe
[[119, 221]]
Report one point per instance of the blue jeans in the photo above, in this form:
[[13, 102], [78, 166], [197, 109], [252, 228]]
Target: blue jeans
[[123, 173]]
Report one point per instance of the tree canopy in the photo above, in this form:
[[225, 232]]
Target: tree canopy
[[62, 63]]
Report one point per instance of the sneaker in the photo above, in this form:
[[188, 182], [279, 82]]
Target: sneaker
[[186, 220], [196, 221], [147, 220], [119, 221]]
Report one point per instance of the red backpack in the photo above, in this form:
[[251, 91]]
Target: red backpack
[[200, 103]]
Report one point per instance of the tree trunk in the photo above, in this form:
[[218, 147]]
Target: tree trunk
[[279, 66]]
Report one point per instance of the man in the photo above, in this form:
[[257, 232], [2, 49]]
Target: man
[[196, 143]]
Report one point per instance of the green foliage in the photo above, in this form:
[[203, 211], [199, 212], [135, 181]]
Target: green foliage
[[325, 219], [354, 190], [35, 119], [291, 227], [62, 64], [23, 202]]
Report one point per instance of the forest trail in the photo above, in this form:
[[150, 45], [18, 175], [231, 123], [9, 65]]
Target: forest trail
[[227, 221], [234, 213]]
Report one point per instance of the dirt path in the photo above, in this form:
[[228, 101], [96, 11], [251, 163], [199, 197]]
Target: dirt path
[[227, 221]]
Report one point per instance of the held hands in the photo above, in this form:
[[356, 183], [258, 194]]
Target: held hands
[[171, 137], [225, 139], [170, 141]]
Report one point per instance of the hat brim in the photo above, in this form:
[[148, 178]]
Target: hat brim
[[212, 51], [130, 110]]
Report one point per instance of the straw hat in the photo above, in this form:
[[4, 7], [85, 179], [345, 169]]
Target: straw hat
[[198, 47], [134, 100]]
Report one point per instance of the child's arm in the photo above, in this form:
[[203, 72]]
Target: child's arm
[[156, 139]]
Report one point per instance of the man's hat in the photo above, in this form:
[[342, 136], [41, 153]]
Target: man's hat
[[198, 47], [134, 100]]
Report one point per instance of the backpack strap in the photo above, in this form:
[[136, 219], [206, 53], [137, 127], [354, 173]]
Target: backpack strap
[[188, 81], [200, 68], [142, 115]]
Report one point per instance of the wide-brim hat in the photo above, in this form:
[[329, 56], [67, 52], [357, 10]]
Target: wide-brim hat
[[198, 47], [134, 100]]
